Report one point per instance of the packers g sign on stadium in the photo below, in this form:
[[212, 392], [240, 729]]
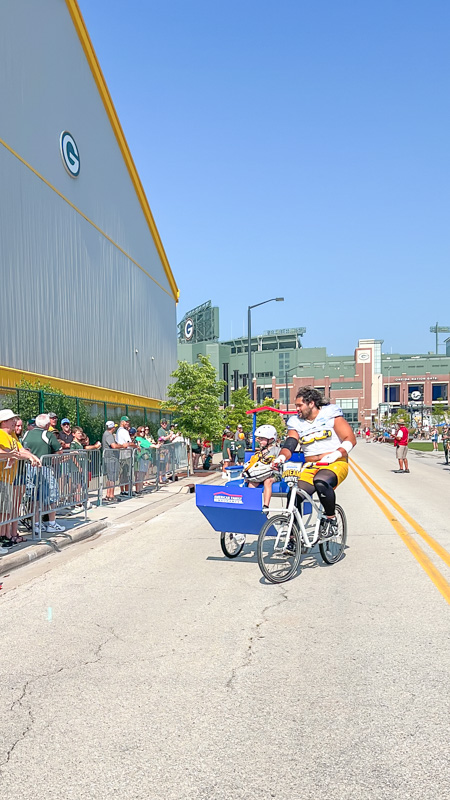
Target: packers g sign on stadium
[[188, 329], [69, 154]]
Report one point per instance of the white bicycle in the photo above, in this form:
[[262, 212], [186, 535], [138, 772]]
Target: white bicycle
[[288, 534]]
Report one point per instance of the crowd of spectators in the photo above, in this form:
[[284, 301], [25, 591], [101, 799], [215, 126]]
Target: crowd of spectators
[[43, 437]]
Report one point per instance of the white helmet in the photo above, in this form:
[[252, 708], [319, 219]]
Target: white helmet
[[266, 432]]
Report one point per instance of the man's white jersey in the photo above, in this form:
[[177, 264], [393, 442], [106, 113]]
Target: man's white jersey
[[317, 436]]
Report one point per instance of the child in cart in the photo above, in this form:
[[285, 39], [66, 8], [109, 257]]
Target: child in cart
[[258, 470]]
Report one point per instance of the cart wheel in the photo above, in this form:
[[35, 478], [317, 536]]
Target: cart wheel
[[232, 543]]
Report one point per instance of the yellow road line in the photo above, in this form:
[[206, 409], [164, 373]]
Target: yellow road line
[[433, 573], [438, 549]]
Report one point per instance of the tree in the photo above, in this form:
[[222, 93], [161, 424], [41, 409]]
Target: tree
[[439, 412], [235, 414], [194, 399], [271, 418], [90, 418]]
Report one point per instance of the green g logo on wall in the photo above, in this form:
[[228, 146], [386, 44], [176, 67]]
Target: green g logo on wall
[[69, 154]]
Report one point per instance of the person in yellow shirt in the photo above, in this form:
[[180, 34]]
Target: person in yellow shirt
[[11, 453]]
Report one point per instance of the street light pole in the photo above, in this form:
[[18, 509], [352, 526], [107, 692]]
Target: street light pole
[[249, 339]]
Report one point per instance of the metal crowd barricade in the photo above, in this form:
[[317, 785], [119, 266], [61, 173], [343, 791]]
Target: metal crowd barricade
[[95, 458], [116, 473], [17, 499], [61, 483], [172, 458], [145, 469], [180, 457]]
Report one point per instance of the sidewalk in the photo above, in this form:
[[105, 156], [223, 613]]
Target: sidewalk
[[118, 515]]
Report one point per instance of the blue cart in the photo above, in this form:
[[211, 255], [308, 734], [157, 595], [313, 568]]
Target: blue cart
[[235, 511]]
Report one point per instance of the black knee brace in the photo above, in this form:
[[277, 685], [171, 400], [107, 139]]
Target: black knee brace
[[326, 496]]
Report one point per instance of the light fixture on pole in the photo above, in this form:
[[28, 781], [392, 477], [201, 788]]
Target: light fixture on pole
[[249, 339]]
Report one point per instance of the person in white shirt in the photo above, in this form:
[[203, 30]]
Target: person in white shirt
[[326, 439], [123, 439]]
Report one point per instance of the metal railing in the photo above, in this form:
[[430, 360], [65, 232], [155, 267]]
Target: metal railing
[[116, 474], [66, 479], [61, 483], [17, 497]]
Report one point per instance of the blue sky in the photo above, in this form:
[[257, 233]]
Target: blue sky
[[293, 148]]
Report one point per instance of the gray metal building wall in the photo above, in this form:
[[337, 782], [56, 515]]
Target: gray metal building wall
[[72, 304]]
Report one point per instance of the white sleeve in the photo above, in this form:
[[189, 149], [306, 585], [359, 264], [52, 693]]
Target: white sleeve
[[121, 436]]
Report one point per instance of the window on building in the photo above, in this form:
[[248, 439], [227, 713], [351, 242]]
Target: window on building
[[284, 362], [347, 403], [393, 392], [439, 391], [236, 379], [282, 395], [263, 393]]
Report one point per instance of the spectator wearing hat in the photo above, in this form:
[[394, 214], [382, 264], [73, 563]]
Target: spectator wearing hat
[[164, 433], [65, 435], [31, 423], [11, 453], [53, 421], [110, 460], [43, 442], [123, 438]]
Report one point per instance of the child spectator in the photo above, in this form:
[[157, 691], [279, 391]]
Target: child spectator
[[258, 469], [226, 452]]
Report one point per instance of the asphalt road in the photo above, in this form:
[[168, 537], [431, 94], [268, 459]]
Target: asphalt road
[[149, 666]]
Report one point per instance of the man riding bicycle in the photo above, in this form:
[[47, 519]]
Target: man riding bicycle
[[326, 439]]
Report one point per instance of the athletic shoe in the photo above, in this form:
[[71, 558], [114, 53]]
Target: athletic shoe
[[6, 544], [265, 509], [328, 528], [36, 529], [290, 549], [406, 470], [53, 527], [398, 470]]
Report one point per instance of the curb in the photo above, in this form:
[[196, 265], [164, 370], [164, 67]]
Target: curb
[[56, 543], [48, 546]]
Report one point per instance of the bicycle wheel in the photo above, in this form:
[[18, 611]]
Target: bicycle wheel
[[232, 543], [276, 563], [333, 549]]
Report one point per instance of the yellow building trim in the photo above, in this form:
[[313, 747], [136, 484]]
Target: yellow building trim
[[98, 76], [75, 208], [10, 377]]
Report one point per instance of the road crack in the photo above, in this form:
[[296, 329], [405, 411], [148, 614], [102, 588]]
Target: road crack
[[24, 700], [256, 637]]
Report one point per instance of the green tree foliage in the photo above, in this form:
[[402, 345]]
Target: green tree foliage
[[272, 418], [440, 412], [90, 415], [194, 399], [235, 414]]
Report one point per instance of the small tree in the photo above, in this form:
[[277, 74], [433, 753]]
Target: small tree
[[271, 418], [194, 399], [439, 412], [235, 414]]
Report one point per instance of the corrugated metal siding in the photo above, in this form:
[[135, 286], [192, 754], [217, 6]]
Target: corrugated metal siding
[[72, 304]]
